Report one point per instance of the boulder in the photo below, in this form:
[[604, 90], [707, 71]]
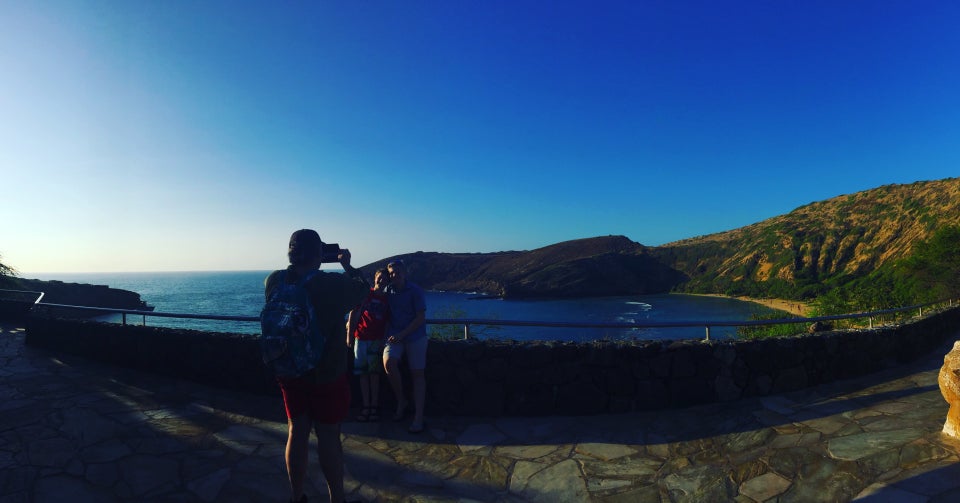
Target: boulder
[[949, 380], [819, 326]]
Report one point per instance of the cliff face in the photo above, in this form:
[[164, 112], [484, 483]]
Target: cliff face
[[610, 265]]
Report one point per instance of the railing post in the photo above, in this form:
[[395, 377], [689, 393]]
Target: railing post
[[708, 332], [466, 331], [123, 316]]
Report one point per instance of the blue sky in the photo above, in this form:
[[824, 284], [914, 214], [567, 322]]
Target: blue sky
[[182, 135]]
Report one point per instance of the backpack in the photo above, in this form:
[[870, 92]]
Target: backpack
[[291, 342]]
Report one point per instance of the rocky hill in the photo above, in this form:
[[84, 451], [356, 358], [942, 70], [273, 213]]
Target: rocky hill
[[610, 265], [819, 245], [79, 294], [797, 255]]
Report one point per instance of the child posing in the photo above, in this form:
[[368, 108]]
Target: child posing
[[366, 332]]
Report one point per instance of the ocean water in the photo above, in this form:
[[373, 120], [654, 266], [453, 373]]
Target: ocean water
[[240, 293]]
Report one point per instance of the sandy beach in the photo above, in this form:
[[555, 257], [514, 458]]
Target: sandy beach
[[794, 307]]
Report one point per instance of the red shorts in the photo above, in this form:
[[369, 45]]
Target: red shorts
[[326, 403]]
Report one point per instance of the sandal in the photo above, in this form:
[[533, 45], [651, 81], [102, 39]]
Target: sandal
[[364, 415], [417, 428], [401, 413], [374, 414]]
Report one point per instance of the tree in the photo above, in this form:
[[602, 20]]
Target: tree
[[934, 267], [6, 270], [6, 273]]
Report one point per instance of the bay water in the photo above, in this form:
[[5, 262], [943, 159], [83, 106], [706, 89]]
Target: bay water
[[240, 293]]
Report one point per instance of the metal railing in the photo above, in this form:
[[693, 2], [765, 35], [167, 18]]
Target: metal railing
[[15, 304], [25, 293], [469, 322], [144, 314], [684, 324]]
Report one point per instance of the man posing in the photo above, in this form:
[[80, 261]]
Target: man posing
[[406, 334]]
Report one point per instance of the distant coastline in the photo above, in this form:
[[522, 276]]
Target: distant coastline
[[794, 307]]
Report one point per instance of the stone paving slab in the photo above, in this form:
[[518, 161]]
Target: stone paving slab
[[75, 430]]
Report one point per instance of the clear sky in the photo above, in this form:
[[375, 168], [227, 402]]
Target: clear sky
[[197, 135]]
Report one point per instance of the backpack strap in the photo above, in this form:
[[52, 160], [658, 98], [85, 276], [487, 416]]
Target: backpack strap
[[304, 282], [282, 277], [307, 277]]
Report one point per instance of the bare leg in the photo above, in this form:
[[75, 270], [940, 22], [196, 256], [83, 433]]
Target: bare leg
[[365, 392], [419, 395], [330, 455], [298, 447], [392, 366], [374, 389]]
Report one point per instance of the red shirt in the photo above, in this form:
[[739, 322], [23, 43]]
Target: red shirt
[[374, 313]]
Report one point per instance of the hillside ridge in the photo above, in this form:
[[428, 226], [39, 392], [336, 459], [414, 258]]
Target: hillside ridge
[[599, 266], [822, 243], [795, 255]]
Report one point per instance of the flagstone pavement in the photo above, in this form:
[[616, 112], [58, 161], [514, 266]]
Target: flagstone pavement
[[79, 431]]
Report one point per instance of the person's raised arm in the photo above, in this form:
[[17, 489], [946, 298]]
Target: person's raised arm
[[349, 270], [352, 319]]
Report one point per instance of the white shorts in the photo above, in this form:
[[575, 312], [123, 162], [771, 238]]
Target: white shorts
[[416, 352]]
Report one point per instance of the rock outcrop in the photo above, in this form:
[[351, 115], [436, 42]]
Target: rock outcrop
[[949, 380], [81, 294], [592, 267]]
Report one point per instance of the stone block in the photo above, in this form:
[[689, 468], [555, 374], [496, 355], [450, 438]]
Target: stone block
[[684, 365], [571, 372], [727, 389], [467, 376], [483, 399], [759, 386], [619, 383], [531, 399], [492, 369], [641, 368], [601, 355], [949, 381], [471, 350], [534, 355], [726, 354], [652, 394], [790, 379], [661, 364], [690, 391], [551, 375], [619, 404], [567, 352], [581, 398]]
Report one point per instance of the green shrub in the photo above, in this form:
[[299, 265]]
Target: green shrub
[[455, 330], [765, 331]]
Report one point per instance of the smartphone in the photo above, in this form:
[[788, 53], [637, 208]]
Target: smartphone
[[330, 253]]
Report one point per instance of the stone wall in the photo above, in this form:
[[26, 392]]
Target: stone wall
[[14, 310], [225, 360], [513, 378]]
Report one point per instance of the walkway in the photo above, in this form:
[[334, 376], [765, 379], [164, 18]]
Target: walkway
[[73, 430]]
